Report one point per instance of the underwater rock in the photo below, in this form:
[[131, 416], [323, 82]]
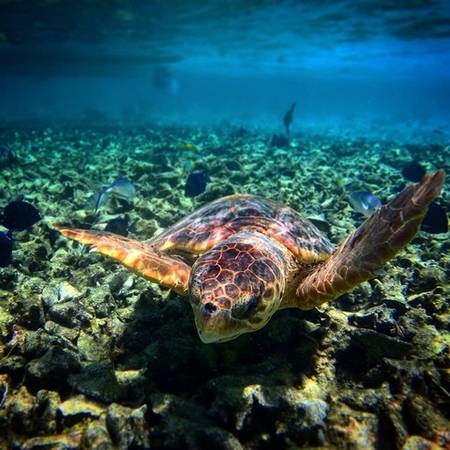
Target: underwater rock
[[78, 407], [430, 342], [420, 443], [424, 280], [119, 281], [127, 426], [368, 399], [372, 349], [101, 300], [68, 441], [12, 364], [424, 418], [357, 428], [251, 409], [378, 318], [46, 411], [56, 329], [65, 314], [94, 346], [29, 311], [36, 343], [184, 424], [9, 279], [96, 436], [20, 411], [55, 364], [375, 344], [98, 380]]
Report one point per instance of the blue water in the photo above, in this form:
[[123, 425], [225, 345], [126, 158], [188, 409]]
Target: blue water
[[374, 65]]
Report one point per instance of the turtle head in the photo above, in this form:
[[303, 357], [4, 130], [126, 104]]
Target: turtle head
[[236, 287]]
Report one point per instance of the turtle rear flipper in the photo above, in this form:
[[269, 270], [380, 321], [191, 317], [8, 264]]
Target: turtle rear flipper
[[135, 255], [375, 242]]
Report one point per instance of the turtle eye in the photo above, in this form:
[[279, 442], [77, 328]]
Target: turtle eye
[[246, 309]]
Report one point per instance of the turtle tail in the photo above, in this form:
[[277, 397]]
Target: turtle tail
[[135, 255], [375, 242]]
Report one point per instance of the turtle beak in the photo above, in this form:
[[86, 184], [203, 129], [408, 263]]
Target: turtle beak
[[215, 325]]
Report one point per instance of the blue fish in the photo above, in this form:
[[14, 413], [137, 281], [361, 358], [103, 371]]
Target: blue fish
[[364, 202], [122, 188]]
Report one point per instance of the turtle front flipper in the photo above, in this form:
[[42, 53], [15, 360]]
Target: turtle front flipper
[[375, 242], [135, 255]]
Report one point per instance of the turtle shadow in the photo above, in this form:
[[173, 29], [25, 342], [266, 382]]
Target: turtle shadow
[[242, 388], [161, 339]]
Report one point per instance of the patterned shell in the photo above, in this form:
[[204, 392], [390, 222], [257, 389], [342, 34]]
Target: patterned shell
[[222, 218]]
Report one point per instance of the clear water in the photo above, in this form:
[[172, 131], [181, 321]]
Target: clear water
[[371, 64]]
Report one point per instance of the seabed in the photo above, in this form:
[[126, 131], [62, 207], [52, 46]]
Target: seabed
[[92, 356]]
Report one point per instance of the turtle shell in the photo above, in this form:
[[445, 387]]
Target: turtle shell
[[216, 221]]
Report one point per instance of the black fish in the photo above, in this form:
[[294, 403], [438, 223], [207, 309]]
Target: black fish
[[17, 216], [118, 226], [20, 215], [196, 183], [7, 156], [435, 220], [287, 119], [413, 171]]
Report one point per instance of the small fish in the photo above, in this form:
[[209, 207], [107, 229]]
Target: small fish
[[122, 188], [7, 156], [364, 202], [435, 220], [118, 226], [4, 394], [287, 119], [413, 171], [17, 216], [196, 183]]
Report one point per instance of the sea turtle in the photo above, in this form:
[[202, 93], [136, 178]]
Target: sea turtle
[[241, 257]]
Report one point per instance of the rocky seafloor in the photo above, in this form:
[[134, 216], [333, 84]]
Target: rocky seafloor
[[92, 356]]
